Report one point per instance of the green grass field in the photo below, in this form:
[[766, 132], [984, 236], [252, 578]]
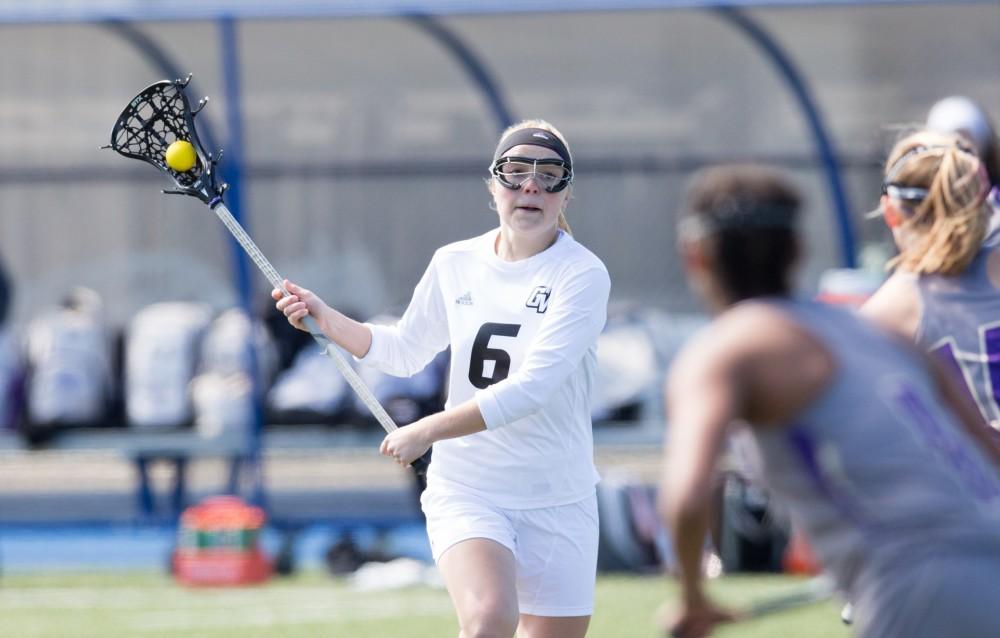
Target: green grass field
[[147, 604]]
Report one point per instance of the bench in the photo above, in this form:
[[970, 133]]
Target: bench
[[143, 449], [177, 448]]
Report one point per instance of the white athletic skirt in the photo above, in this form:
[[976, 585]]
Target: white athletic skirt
[[555, 548]]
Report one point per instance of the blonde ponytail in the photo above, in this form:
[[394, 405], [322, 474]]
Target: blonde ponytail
[[951, 221], [563, 224]]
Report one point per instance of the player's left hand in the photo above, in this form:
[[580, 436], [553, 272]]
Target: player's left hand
[[407, 444]]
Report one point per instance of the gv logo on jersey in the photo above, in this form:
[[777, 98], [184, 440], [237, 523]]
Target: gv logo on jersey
[[539, 299]]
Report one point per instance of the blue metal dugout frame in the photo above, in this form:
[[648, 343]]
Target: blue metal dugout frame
[[486, 83], [119, 15], [423, 14]]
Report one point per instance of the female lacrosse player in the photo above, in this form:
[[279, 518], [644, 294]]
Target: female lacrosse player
[[510, 501], [879, 461], [945, 291]]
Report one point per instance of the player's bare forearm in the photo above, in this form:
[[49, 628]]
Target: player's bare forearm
[[351, 335], [411, 442], [688, 527], [700, 404], [684, 498], [696, 614], [460, 420], [299, 303]]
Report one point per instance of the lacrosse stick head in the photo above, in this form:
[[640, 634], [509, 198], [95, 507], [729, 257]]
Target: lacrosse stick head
[[152, 121]]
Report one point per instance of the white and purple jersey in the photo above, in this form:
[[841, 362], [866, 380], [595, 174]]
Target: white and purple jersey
[[876, 472], [960, 324]]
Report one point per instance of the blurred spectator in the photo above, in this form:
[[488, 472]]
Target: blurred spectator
[[69, 373], [162, 349], [310, 390], [961, 115], [5, 295], [237, 361], [10, 367]]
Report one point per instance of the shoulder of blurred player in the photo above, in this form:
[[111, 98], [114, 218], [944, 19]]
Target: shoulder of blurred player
[[773, 366], [993, 266], [896, 305], [741, 332]]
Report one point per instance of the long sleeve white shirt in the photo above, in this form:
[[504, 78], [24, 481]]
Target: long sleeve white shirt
[[523, 340]]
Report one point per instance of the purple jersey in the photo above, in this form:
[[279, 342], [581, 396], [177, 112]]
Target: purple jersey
[[896, 499], [960, 324]]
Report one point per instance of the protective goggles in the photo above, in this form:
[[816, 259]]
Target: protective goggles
[[912, 194], [916, 194], [553, 175]]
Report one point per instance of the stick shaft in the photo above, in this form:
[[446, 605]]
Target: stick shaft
[[329, 348], [814, 590]]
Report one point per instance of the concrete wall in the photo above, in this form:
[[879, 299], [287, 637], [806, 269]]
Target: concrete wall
[[366, 143]]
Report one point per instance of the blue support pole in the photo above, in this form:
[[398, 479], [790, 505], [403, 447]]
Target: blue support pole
[[232, 164], [824, 144], [232, 170]]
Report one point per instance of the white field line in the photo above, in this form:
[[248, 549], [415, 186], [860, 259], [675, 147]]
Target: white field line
[[301, 614], [189, 609]]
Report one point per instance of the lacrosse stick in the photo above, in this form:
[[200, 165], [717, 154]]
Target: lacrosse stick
[[161, 116], [814, 590]]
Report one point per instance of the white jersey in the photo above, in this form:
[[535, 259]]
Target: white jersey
[[523, 341]]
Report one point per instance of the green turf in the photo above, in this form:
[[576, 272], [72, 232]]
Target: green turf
[[111, 605]]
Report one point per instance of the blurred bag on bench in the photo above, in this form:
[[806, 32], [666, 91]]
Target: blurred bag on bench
[[69, 374], [161, 357]]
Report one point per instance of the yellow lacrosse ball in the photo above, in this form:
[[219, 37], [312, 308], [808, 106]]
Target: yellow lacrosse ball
[[181, 156]]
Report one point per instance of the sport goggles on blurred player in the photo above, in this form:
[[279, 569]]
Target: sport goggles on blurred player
[[553, 175], [916, 194]]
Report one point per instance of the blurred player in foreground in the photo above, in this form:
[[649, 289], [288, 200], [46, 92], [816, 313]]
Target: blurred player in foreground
[[945, 290], [881, 463], [510, 501]]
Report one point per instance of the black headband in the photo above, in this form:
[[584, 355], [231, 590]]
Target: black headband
[[903, 160], [738, 214], [534, 137], [916, 194]]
